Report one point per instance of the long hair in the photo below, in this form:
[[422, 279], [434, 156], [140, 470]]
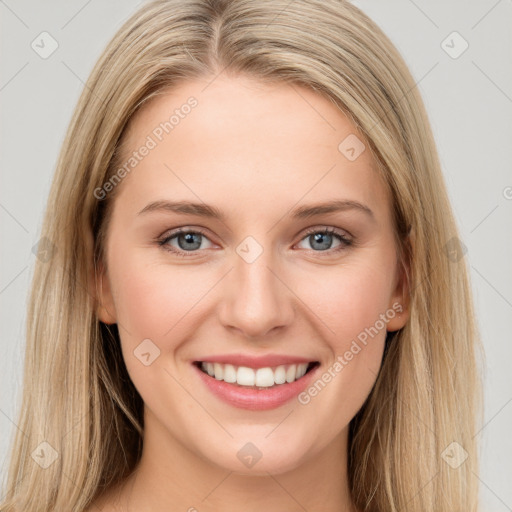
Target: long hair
[[77, 396]]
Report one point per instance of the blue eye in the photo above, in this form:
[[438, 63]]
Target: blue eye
[[190, 241], [322, 239]]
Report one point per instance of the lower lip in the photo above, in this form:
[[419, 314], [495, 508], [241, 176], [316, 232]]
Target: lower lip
[[256, 399]]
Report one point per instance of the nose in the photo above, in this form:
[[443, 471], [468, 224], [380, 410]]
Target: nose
[[256, 299]]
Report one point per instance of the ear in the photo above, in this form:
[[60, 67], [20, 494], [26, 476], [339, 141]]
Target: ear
[[105, 308], [400, 299]]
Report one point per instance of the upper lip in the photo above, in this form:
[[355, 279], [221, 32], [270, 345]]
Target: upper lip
[[263, 361]]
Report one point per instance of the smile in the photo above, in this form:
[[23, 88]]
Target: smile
[[259, 378], [270, 383]]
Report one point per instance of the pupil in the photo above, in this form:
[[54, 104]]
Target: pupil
[[189, 241], [318, 237]]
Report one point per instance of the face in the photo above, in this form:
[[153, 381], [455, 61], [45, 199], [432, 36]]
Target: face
[[253, 280]]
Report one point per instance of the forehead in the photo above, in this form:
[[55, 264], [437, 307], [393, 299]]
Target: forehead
[[247, 141]]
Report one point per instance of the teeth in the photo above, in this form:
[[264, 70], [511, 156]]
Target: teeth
[[280, 375], [291, 373], [264, 377], [301, 370], [261, 378], [219, 371], [229, 373], [245, 376], [210, 369]]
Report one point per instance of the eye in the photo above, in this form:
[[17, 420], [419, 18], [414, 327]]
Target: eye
[[321, 239], [187, 240], [182, 241]]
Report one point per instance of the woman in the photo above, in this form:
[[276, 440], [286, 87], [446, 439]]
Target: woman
[[256, 297]]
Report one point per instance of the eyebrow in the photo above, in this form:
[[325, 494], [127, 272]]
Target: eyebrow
[[302, 212]]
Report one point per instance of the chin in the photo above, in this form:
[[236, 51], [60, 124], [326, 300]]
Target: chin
[[256, 458]]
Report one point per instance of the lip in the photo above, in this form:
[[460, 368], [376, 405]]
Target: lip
[[256, 399]]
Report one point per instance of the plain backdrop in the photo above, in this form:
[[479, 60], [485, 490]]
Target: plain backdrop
[[459, 52]]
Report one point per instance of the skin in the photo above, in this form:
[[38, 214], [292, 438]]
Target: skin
[[254, 151]]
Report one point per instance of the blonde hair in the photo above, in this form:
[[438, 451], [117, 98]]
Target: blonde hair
[[77, 394]]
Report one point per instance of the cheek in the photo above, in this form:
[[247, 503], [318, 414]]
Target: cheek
[[155, 302], [352, 305], [151, 298], [349, 299]]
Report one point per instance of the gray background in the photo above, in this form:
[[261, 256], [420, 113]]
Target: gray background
[[469, 101]]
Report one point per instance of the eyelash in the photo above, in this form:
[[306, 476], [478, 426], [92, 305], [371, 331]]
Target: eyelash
[[345, 241]]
